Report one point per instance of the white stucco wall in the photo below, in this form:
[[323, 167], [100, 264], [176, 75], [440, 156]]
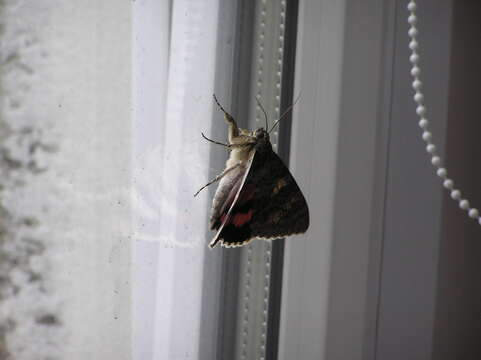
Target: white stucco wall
[[64, 175]]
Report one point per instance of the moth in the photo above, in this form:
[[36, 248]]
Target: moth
[[257, 196]]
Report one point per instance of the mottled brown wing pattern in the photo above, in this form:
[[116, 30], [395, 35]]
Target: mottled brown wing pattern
[[268, 205]]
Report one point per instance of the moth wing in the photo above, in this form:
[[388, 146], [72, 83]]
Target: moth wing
[[226, 193], [268, 204]]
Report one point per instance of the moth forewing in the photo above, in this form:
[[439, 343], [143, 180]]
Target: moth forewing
[[226, 192]]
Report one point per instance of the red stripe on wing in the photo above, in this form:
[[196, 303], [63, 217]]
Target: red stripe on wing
[[240, 219]]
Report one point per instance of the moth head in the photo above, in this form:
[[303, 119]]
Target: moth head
[[261, 134], [262, 141]]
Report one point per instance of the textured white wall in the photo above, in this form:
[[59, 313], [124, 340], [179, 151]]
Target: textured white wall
[[65, 172]]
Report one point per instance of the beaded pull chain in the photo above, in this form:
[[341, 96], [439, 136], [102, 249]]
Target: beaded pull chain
[[424, 123]]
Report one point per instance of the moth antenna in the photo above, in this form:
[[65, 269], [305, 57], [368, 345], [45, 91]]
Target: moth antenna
[[285, 112], [219, 105], [263, 110]]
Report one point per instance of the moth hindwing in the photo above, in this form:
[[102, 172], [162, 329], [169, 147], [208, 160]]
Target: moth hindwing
[[257, 196]]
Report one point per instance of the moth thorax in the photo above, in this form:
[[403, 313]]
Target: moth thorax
[[238, 155]]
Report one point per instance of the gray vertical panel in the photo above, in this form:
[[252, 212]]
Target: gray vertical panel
[[458, 309], [380, 182], [315, 122], [359, 187], [413, 198]]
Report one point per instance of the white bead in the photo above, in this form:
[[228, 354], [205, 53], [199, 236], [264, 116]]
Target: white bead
[[427, 136], [412, 19], [473, 213], [431, 148], [414, 58], [456, 194], [423, 123], [413, 32], [442, 172], [448, 184], [419, 98], [421, 110], [464, 204], [417, 84]]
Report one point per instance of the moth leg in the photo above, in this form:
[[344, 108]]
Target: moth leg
[[233, 129], [214, 142], [228, 145], [217, 178]]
